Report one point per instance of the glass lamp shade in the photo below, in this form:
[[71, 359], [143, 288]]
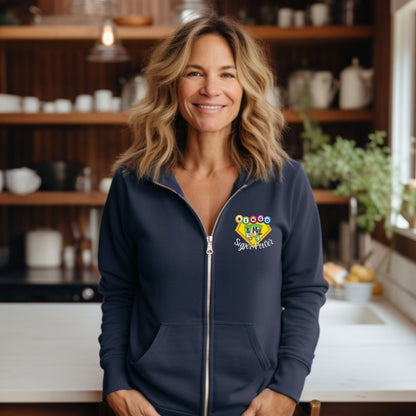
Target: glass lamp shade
[[108, 47], [94, 7]]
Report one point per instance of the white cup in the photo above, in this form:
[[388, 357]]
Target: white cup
[[116, 104], [49, 107], [285, 17], [1, 180], [104, 185], [10, 103], [63, 105], [319, 13], [103, 100], [84, 103], [30, 104], [69, 257], [22, 180], [299, 18]]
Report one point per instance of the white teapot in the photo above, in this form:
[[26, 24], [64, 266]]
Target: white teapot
[[356, 90], [323, 88]]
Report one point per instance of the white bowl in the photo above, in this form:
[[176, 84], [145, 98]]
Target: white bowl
[[358, 292], [22, 181]]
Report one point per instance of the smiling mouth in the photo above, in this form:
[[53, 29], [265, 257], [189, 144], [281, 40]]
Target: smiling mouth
[[209, 107]]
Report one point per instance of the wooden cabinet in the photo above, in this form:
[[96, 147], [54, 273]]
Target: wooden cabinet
[[50, 62]]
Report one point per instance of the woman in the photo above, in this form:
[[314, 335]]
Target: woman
[[210, 250]]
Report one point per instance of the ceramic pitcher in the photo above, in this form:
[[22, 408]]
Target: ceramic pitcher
[[323, 88], [356, 90]]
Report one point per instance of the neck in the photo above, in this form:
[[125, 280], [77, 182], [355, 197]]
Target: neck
[[206, 153]]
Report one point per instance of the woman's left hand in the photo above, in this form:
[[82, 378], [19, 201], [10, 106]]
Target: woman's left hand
[[270, 403]]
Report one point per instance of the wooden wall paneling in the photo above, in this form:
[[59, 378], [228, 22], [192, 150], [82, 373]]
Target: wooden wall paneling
[[4, 219], [60, 70], [159, 9], [3, 68], [4, 226], [53, 6], [381, 57]]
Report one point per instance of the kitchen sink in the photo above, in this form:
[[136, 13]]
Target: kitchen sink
[[345, 313]]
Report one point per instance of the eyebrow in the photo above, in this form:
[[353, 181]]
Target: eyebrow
[[225, 67]]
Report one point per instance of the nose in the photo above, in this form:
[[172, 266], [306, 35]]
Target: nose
[[210, 86]]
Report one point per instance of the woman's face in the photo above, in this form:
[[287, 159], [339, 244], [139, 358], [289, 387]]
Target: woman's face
[[209, 92]]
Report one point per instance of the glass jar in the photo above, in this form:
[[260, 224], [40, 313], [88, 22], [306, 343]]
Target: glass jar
[[189, 10]]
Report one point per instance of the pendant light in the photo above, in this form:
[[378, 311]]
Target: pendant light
[[108, 47]]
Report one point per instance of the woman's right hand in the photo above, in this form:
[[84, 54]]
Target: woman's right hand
[[130, 403]]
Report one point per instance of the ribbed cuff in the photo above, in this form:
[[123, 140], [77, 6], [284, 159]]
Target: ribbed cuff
[[289, 378], [115, 377]]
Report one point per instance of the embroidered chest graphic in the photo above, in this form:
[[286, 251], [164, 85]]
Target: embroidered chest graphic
[[253, 229]]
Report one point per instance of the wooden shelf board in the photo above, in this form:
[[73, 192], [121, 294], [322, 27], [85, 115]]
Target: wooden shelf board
[[309, 33], [269, 33], [54, 198], [291, 116], [97, 198], [327, 197], [64, 118], [330, 116]]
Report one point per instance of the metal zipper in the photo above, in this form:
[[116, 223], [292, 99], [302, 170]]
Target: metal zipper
[[209, 252]]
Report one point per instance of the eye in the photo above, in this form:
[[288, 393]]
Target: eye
[[193, 74], [228, 75]]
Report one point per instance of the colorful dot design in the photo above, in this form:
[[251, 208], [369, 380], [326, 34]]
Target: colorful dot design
[[253, 228]]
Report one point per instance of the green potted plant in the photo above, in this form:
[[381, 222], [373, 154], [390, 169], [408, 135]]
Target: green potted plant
[[363, 173]]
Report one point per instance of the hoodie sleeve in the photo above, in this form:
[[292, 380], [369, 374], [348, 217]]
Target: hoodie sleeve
[[116, 261], [303, 290]]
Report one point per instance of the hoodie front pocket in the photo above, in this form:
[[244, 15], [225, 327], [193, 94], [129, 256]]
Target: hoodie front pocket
[[169, 372], [240, 366]]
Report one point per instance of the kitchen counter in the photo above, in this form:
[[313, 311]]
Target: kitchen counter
[[49, 353]]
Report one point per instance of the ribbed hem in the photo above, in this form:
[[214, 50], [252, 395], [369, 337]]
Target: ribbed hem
[[289, 378], [115, 377]]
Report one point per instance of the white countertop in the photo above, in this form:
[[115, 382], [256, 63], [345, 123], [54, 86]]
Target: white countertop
[[49, 353]]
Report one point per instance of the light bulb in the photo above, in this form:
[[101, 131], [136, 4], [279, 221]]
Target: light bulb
[[107, 36]]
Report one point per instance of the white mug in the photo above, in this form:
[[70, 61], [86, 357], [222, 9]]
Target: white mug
[[319, 13], [103, 100], [285, 17], [30, 104], [104, 185], [1, 180], [323, 88], [69, 257], [116, 104], [299, 18], [63, 105], [49, 107], [84, 103]]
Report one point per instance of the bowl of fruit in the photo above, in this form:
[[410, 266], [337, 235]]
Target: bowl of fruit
[[359, 284]]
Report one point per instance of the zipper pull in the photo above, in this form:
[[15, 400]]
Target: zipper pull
[[209, 246]]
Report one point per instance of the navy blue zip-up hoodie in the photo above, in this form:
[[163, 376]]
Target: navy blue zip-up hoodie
[[201, 324]]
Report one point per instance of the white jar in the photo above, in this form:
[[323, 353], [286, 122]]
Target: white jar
[[43, 248]]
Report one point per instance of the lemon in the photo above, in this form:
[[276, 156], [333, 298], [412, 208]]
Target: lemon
[[352, 278], [377, 289], [364, 273]]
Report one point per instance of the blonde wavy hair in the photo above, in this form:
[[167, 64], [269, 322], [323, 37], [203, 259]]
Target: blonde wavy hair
[[158, 129]]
